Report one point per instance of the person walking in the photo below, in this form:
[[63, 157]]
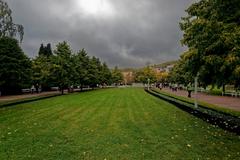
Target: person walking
[[32, 89], [189, 89]]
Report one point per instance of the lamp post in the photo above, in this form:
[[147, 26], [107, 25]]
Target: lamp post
[[196, 90], [148, 83]]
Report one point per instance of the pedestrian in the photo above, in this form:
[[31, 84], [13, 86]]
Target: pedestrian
[[175, 87], [160, 86], [37, 88], [32, 89], [189, 89]]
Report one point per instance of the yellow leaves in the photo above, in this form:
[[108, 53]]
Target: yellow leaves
[[161, 76], [232, 58]]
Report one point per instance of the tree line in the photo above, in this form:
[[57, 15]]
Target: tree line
[[62, 68], [212, 34]]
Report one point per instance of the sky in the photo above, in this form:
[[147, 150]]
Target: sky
[[123, 33]]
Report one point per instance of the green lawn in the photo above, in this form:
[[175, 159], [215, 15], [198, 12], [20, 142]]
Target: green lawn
[[110, 124]]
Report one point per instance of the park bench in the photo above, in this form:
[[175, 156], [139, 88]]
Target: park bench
[[26, 90], [54, 88], [231, 93]]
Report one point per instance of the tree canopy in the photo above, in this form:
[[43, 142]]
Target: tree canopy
[[15, 67], [144, 74], [211, 32], [7, 26], [45, 50]]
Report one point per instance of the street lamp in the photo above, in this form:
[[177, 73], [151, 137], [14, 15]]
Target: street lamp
[[148, 83], [196, 90]]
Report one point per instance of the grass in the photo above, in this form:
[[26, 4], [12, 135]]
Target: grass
[[110, 124], [205, 104]]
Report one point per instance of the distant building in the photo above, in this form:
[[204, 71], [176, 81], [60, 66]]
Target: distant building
[[163, 69], [169, 68], [128, 77]]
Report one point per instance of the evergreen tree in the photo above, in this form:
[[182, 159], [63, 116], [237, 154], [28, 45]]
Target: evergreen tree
[[93, 72], [45, 51], [105, 75], [81, 61], [49, 50], [15, 67], [61, 70], [41, 50]]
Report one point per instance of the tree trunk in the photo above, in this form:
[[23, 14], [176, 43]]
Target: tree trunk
[[189, 94], [223, 86], [62, 90]]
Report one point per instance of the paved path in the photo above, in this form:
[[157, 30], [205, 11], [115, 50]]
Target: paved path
[[222, 101], [29, 95], [24, 96]]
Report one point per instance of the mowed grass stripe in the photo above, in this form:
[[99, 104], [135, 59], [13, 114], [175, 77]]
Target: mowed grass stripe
[[110, 124]]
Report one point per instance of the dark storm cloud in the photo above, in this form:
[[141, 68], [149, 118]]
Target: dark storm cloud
[[134, 33]]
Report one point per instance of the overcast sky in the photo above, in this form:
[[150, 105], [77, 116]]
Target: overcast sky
[[126, 33]]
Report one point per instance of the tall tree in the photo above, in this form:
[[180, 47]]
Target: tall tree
[[41, 71], [94, 72], [81, 62], [45, 50], [61, 70], [211, 31], [15, 67], [49, 49], [41, 50], [105, 74], [7, 27]]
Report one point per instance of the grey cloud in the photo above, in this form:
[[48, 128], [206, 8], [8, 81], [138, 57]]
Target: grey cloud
[[140, 31]]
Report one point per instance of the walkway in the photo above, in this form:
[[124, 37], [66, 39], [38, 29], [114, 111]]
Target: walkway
[[4, 99], [223, 101], [26, 96]]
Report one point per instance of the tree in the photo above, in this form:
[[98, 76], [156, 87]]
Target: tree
[[61, 69], [180, 73], [105, 74], [146, 73], [81, 62], [211, 31], [117, 76], [93, 69], [15, 67], [162, 77], [7, 27], [49, 50], [45, 51], [41, 71], [41, 50]]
